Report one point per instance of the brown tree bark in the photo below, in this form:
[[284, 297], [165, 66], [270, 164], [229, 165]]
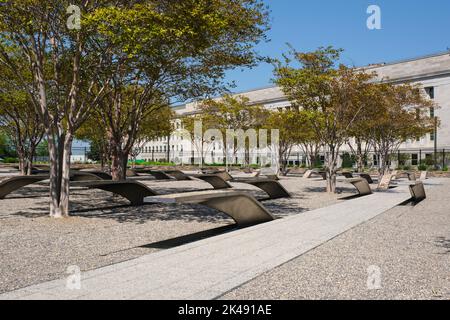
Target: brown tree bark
[[331, 168]]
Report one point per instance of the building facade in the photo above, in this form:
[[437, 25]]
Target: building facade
[[431, 72]]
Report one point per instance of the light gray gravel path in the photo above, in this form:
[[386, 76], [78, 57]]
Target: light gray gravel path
[[408, 246], [35, 248]]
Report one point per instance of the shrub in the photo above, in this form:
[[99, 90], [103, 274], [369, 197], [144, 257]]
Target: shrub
[[157, 163], [429, 161], [10, 160], [347, 161], [422, 167]]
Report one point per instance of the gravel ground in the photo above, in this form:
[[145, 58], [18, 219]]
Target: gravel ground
[[35, 248], [403, 253]]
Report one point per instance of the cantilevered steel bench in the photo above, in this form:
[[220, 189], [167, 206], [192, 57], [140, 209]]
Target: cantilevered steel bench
[[273, 188], [362, 186], [423, 175], [134, 191], [269, 174], [367, 177], [417, 192], [177, 174], [242, 207], [101, 174], [76, 175], [216, 181], [157, 174], [309, 173], [15, 183], [411, 176], [348, 175]]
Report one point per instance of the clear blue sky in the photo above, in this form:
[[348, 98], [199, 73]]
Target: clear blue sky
[[410, 28]]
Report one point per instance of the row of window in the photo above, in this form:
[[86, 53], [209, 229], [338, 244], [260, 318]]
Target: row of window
[[160, 149]]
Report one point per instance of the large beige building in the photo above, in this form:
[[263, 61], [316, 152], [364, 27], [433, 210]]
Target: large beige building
[[431, 72]]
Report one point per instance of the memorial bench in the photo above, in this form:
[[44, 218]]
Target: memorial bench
[[417, 192], [221, 181], [133, 191], [101, 174], [362, 185], [242, 207], [309, 174], [10, 185]]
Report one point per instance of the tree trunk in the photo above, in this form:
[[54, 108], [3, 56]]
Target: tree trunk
[[65, 181], [29, 164], [29, 158], [59, 153], [116, 166], [119, 163], [125, 156], [22, 162], [331, 168], [284, 159], [359, 157]]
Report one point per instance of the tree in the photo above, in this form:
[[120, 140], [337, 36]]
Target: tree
[[331, 95], [139, 51], [166, 52], [234, 116], [61, 69], [194, 128], [95, 134], [95, 131], [360, 143], [402, 113], [19, 121], [4, 145], [294, 129]]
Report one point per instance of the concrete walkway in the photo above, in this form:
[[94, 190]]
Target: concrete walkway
[[208, 268]]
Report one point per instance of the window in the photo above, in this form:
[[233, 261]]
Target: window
[[414, 159], [432, 136], [375, 160], [432, 112], [430, 92], [322, 160]]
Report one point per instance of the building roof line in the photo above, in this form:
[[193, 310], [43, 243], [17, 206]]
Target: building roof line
[[366, 67], [382, 64]]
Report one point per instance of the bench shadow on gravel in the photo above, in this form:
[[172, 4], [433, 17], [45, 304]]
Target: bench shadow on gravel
[[340, 190], [179, 241], [443, 243]]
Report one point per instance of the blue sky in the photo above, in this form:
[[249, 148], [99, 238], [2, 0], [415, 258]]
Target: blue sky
[[409, 29]]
